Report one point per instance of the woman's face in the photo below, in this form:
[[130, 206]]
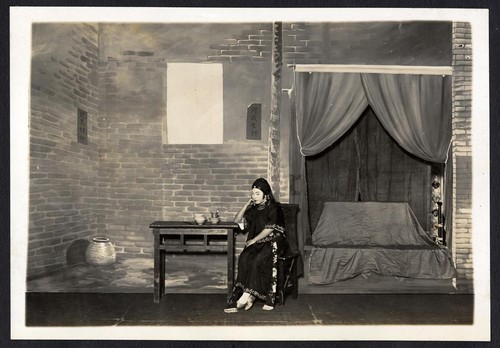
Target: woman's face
[[257, 196]]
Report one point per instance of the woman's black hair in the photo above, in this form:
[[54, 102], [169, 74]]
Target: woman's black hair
[[264, 186]]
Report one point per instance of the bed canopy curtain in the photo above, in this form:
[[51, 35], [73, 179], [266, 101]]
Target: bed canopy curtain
[[413, 104]]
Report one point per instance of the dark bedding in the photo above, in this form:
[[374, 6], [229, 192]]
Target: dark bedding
[[354, 238]]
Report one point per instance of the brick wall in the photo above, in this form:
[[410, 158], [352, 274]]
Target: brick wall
[[62, 171], [255, 44], [125, 177], [300, 45], [462, 154], [400, 43], [141, 179]]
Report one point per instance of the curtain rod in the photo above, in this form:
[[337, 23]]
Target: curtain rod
[[374, 69]]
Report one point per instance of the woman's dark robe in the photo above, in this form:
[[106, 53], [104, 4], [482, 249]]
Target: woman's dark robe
[[257, 264]]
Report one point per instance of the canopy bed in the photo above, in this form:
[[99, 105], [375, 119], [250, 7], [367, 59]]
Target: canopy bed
[[353, 236]]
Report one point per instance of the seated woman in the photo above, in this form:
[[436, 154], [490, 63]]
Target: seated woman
[[263, 219]]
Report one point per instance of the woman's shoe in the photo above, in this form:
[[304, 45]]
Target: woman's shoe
[[267, 308], [232, 307], [243, 300], [249, 304], [230, 310]]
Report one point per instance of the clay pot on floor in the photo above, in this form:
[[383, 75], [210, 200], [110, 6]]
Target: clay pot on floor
[[100, 252]]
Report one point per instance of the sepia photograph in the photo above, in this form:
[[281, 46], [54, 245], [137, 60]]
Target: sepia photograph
[[250, 174]]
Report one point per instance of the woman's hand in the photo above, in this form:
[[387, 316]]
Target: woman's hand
[[250, 242], [239, 216]]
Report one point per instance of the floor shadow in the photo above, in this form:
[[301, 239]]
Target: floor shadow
[[75, 255]]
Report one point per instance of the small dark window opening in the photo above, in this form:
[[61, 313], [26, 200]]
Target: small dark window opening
[[82, 127]]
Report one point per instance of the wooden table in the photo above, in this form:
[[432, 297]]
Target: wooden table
[[189, 237]]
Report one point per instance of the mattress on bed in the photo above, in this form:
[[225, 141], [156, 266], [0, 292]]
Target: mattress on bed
[[360, 237]]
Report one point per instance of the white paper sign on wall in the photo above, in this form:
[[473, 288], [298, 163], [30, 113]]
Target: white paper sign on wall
[[194, 103]]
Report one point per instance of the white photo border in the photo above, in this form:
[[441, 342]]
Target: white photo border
[[21, 19]]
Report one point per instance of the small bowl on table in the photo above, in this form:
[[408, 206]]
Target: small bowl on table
[[200, 219]]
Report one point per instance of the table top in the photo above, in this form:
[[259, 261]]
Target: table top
[[193, 224]]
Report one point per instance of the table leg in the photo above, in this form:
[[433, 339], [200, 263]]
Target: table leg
[[230, 262], [163, 272], [157, 278]]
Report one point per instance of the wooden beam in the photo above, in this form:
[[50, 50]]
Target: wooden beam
[[273, 169]]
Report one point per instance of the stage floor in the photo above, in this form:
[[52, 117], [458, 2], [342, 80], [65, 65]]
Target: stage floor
[[84, 309]]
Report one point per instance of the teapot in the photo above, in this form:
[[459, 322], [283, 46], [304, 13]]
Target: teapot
[[214, 214], [214, 218]]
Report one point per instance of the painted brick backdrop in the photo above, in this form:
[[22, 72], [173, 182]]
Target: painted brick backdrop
[[344, 43], [462, 154], [142, 179], [63, 189]]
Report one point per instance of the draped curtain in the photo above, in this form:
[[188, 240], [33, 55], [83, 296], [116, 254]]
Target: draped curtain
[[327, 106], [341, 99], [414, 109]]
